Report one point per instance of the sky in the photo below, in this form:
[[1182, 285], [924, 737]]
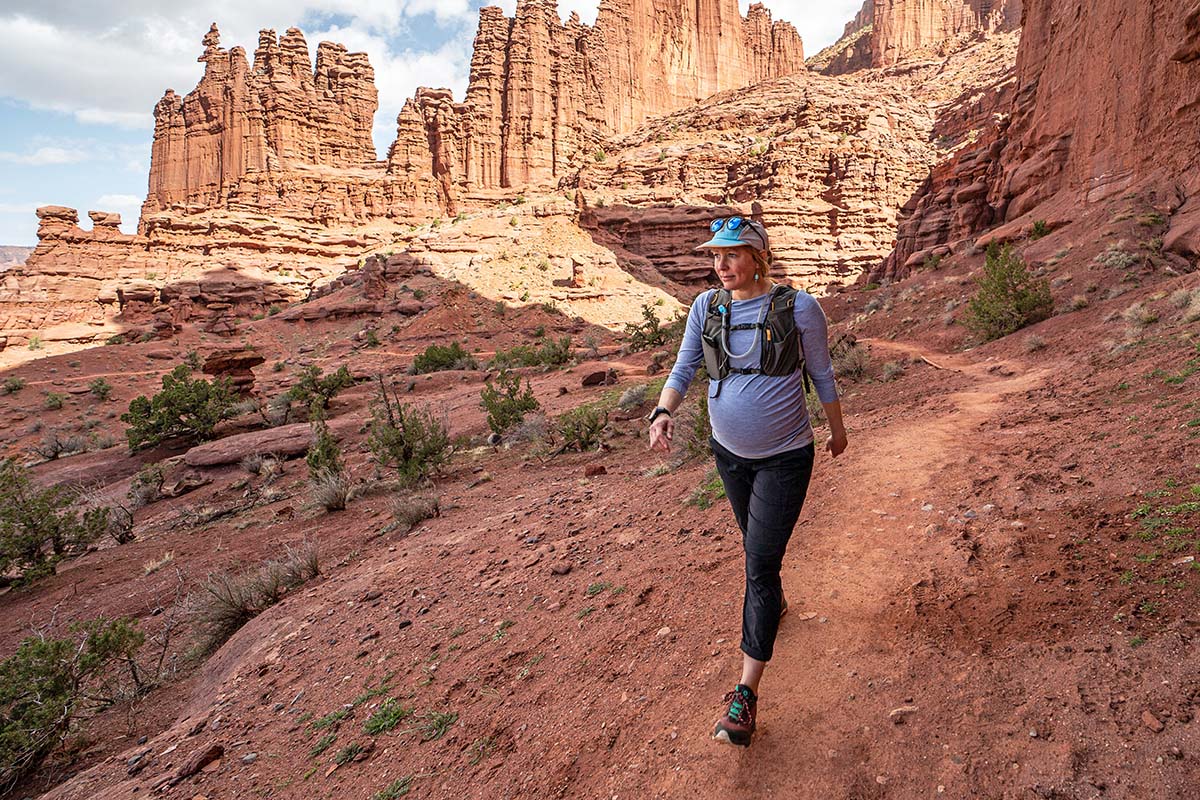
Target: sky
[[79, 80]]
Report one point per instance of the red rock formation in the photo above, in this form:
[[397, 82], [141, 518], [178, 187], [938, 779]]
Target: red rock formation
[[239, 121], [543, 93], [885, 32], [1136, 132]]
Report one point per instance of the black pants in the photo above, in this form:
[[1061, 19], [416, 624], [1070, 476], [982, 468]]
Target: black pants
[[767, 495]]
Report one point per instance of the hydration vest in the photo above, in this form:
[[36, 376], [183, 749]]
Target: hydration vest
[[780, 353]]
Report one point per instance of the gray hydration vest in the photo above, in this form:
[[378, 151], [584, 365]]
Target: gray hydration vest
[[780, 351]]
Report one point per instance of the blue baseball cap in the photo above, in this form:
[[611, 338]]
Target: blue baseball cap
[[736, 232]]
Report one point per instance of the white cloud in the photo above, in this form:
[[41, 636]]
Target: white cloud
[[20, 208], [118, 202], [45, 156]]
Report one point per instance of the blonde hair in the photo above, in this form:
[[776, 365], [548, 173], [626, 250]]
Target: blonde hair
[[763, 259]]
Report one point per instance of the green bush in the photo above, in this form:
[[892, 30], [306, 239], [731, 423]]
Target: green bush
[[13, 384], [38, 528], [505, 403], [1008, 299], [54, 400], [315, 391], [405, 438], [1040, 229], [49, 683], [442, 357], [552, 353], [582, 428], [324, 455], [185, 407], [100, 388], [648, 334]]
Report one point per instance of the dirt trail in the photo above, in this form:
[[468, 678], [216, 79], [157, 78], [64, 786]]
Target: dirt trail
[[859, 544]]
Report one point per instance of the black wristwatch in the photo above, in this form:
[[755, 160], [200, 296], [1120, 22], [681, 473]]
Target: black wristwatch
[[653, 415]]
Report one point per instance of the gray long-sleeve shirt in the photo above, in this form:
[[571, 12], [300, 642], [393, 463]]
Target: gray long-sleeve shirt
[[756, 416]]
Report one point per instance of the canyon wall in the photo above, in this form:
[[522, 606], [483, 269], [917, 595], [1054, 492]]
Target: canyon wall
[[885, 32], [1047, 153]]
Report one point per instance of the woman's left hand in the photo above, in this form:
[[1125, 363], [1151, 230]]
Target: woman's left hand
[[836, 444]]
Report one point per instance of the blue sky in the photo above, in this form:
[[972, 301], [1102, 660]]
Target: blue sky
[[78, 81]]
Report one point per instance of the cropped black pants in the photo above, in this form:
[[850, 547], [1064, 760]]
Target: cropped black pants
[[766, 495]]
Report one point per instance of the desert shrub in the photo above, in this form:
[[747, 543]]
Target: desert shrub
[[100, 388], [278, 410], [13, 384], [504, 401], [1139, 316], [115, 521], [146, 486], [1116, 258], [406, 438], [1008, 298], [186, 407], [694, 428], [49, 683], [57, 444], [551, 353], [1180, 298], [442, 357], [633, 397], [850, 360], [1192, 312], [1033, 343], [532, 429], [371, 338], [227, 601], [582, 428], [331, 490], [324, 455], [1079, 302], [54, 400], [315, 390], [892, 370], [35, 343], [38, 527], [1040, 229], [647, 334], [410, 510]]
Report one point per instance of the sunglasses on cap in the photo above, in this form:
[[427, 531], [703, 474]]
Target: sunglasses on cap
[[735, 225]]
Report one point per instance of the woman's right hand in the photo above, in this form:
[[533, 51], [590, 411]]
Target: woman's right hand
[[661, 431]]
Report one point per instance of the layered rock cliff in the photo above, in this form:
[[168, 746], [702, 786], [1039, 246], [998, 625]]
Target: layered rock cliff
[[885, 32], [281, 114], [1048, 155], [825, 162], [544, 93]]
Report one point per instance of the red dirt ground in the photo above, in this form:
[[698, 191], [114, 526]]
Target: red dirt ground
[[990, 553]]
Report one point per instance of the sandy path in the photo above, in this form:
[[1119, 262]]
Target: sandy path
[[859, 544]]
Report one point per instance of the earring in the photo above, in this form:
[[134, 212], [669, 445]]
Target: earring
[[756, 277]]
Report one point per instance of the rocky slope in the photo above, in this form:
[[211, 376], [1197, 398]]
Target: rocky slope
[[12, 255], [885, 32], [824, 162]]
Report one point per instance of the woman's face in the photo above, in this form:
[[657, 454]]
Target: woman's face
[[735, 267]]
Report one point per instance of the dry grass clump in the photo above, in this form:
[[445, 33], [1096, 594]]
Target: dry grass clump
[[332, 490], [892, 370], [155, 564], [410, 510], [533, 429], [1079, 302], [228, 601], [1115, 257], [1033, 343], [850, 360], [1138, 316], [1192, 312], [633, 397], [1187, 301]]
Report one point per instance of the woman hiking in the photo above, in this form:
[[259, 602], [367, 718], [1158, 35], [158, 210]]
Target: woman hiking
[[758, 340]]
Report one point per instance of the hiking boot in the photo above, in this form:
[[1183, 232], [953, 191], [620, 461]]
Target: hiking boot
[[737, 726]]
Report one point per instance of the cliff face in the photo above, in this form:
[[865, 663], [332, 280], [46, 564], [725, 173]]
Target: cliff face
[[885, 32], [543, 93], [1050, 153], [280, 115]]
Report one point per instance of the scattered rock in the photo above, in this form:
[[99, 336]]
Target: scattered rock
[[560, 567], [249, 758], [198, 761], [602, 378], [1152, 722], [900, 715], [593, 470]]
